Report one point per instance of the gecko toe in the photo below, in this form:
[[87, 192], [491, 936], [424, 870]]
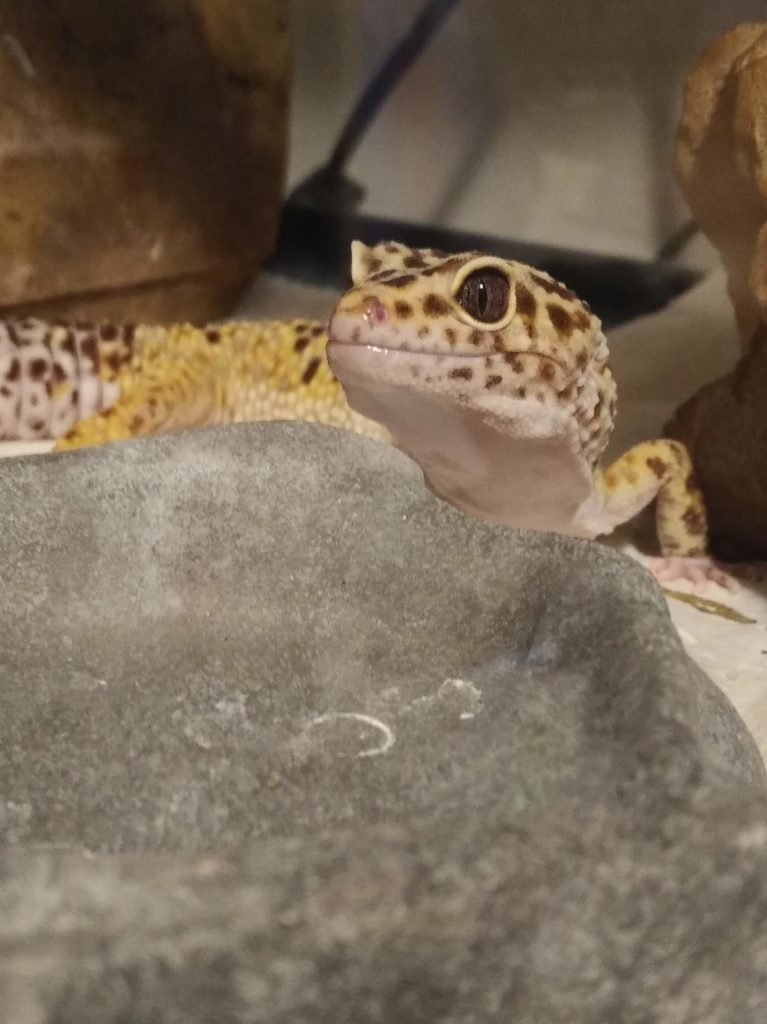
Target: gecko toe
[[700, 572]]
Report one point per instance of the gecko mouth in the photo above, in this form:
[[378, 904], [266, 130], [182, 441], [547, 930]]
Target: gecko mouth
[[347, 347]]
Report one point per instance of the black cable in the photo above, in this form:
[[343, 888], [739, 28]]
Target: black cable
[[676, 243], [400, 60], [328, 185]]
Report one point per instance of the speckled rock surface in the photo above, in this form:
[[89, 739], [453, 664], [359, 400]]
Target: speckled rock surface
[[285, 739]]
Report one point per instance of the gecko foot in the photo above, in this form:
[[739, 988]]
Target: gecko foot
[[699, 571]]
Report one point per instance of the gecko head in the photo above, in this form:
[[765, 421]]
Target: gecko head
[[422, 332]]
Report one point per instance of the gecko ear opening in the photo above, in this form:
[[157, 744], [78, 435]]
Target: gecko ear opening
[[360, 262]]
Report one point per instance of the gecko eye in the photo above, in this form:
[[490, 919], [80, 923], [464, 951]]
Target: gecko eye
[[485, 295]]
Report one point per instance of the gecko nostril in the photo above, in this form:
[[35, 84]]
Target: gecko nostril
[[374, 311]]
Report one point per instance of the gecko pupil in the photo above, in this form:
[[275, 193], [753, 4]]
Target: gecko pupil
[[485, 295]]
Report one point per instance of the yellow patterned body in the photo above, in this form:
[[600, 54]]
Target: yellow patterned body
[[180, 377]]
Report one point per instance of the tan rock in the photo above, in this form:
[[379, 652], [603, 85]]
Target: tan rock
[[721, 162], [725, 428], [141, 154], [722, 166]]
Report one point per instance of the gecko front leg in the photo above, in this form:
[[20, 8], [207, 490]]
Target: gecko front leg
[[662, 471]]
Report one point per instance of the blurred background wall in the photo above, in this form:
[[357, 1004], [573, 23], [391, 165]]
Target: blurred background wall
[[543, 120]]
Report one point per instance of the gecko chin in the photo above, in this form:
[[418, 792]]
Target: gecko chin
[[473, 443]]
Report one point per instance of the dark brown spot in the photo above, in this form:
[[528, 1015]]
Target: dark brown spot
[[68, 344], [546, 369], [136, 423], [48, 388], [5, 391], [462, 373], [691, 484], [554, 287], [403, 309], [657, 466], [213, 335], [493, 381], [108, 332], [391, 248], [694, 521], [301, 342], [526, 304], [90, 349], [38, 369], [435, 305], [311, 369], [59, 373], [560, 318], [415, 372], [414, 262], [581, 320], [13, 370], [476, 337], [450, 266], [37, 425], [450, 335], [114, 361], [316, 331], [423, 331], [401, 281], [514, 362], [75, 396], [581, 359], [522, 391], [374, 265]]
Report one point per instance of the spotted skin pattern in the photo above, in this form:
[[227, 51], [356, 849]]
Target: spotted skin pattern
[[87, 384], [508, 420]]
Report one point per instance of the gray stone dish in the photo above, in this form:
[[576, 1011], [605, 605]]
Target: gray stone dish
[[284, 739]]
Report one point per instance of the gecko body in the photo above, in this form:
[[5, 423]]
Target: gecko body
[[85, 384], [490, 374]]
